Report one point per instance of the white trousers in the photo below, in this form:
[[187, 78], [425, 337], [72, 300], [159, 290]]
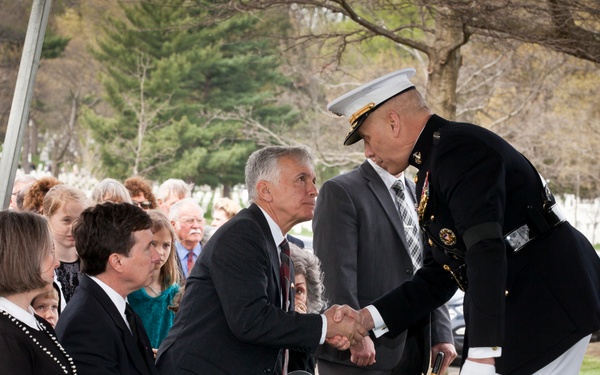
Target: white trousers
[[569, 362]]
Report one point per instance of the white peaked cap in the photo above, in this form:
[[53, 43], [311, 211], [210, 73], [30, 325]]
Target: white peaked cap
[[358, 103]]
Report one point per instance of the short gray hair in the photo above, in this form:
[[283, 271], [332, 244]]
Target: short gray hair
[[176, 207], [110, 190], [263, 164], [174, 186]]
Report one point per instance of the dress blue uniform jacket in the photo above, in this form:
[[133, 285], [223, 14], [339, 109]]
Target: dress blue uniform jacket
[[474, 188]]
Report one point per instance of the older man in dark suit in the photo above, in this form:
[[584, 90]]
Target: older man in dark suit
[[236, 316], [361, 239], [98, 328]]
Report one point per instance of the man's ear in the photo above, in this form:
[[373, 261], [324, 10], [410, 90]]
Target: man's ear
[[264, 192], [393, 121], [114, 261]]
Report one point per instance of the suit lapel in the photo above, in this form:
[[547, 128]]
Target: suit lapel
[[271, 248], [385, 199], [135, 356]]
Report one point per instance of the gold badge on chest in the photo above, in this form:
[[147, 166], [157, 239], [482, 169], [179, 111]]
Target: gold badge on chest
[[448, 237]]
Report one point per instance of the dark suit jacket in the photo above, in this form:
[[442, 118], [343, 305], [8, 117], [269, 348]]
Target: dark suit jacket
[[230, 320], [93, 332], [534, 303], [360, 239]]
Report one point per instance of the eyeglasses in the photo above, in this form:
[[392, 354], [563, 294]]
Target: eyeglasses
[[191, 220], [145, 204]]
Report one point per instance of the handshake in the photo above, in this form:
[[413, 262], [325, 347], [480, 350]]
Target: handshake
[[346, 327]]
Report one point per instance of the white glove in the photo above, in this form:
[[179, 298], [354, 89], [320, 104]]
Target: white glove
[[476, 368]]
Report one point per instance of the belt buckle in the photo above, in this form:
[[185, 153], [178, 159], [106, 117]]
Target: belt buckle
[[518, 238]]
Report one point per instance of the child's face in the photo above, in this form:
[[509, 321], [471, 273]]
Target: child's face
[[163, 242], [61, 223], [47, 308]]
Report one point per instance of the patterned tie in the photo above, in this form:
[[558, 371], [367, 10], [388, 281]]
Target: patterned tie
[[284, 273], [284, 278], [410, 226], [190, 261]]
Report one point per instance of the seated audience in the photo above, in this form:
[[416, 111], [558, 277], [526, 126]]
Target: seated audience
[[62, 206], [141, 193], [33, 199], [20, 182], [45, 305], [187, 218], [223, 210], [308, 282], [152, 301], [28, 344], [110, 190], [171, 191], [98, 327]]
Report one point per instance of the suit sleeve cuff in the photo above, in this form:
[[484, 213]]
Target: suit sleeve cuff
[[495, 351], [380, 326]]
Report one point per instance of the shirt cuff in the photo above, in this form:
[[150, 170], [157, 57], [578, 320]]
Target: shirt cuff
[[380, 326], [324, 331], [475, 368], [483, 352]]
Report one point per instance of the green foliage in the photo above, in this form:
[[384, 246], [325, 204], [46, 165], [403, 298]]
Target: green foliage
[[169, 67], [54, 45]]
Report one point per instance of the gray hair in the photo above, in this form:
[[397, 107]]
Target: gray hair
[[110, 190], [263, 164], [176, 207], [174, 186], [306, 263]]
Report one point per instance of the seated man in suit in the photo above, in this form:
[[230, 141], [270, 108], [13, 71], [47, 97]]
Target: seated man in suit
[[98, 328], [237, 314]]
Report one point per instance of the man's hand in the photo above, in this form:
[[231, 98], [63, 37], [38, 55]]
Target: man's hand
[[362, 315], [363, 353], [449, 354], [346, 330]]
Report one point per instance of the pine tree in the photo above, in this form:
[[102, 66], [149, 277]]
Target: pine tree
[[170, 68]]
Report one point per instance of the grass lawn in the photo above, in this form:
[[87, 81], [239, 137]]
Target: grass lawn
[[590, 366]]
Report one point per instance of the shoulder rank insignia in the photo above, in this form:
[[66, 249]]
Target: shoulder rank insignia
[[424, 198], [448, 237]]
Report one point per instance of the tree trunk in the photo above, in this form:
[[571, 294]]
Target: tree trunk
[[444, 64]]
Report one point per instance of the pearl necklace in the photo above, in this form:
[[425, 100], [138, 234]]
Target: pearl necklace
[[25, 330]]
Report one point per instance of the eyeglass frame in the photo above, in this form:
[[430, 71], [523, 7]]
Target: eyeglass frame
[[191, 220], [143, 204]]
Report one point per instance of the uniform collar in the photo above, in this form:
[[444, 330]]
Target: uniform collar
[[423, 145]]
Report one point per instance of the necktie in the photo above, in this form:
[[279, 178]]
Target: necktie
[[410, 226], [130, 315], [284, 273], [190, 261], [284, 278]]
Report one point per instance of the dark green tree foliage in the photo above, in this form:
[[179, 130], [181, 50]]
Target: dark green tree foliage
[[171, 66]]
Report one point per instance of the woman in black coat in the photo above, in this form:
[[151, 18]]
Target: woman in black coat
[[28, 344]]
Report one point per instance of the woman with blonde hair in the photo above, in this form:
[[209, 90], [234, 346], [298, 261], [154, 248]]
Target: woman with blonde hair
[[152, 302], [28, 343], [63, 204]]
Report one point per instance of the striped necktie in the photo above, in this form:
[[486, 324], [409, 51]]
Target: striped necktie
[[410, 226]]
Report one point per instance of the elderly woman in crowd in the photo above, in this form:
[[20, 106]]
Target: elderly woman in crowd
[[140, 190], [223, 210], [308, 281], [28, 344], [110, 190]]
